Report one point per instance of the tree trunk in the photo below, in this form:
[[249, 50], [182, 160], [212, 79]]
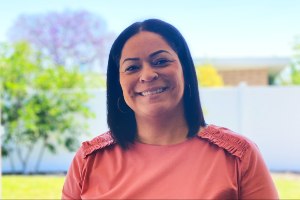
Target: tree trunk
[[40, 156], [12, 165], [24, 161]]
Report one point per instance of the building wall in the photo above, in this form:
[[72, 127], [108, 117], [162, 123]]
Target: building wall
[[252, 77], [250, 70], [269, 116]]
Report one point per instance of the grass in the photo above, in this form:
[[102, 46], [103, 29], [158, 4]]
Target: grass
[[288, 185], [49, 187], [32, 187]]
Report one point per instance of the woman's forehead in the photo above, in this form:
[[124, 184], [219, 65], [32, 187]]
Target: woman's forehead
[[144, 44]]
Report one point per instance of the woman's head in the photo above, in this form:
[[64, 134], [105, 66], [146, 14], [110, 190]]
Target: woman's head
[[151, 78], [120, 117]]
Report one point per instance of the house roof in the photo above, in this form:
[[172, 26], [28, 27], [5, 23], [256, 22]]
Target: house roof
[[272, 63]]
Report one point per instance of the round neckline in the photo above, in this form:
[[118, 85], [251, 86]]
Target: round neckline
[[141, 144], [158, 146]]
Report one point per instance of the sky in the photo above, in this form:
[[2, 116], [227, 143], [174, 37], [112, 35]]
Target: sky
[[212, 28]]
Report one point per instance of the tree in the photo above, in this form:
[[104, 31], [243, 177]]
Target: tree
[[297, 49], [295, 76], [208, 76], [40, 103], [70, 38], [290, 75]]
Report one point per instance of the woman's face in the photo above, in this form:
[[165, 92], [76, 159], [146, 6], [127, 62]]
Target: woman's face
[[151, 75]]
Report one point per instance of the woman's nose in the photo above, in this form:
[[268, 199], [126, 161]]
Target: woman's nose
[[148, 74]]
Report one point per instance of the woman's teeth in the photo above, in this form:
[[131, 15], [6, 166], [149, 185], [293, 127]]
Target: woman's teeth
[[146, 93]]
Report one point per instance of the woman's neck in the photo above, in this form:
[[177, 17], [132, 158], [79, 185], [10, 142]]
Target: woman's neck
[[162, 130]]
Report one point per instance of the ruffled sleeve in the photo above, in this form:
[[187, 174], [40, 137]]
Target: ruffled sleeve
[[74, 180], [226, 139], [97, 143]]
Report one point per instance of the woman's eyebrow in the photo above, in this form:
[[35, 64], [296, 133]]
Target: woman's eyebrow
[[158, 52], [151, 55], [130, 59]]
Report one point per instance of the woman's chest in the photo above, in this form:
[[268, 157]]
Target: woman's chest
[[162, 174]]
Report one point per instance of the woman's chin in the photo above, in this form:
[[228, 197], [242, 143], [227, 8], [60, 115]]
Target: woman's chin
[[155, 111], [147, 111]]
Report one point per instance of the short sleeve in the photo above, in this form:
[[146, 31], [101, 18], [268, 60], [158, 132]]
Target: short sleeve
[[73, 182], [256, 181]]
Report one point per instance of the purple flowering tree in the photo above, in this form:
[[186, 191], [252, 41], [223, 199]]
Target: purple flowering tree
[[69, 38]]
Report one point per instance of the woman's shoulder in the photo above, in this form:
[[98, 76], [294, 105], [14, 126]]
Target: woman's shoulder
[[101, 141], [235, 144]]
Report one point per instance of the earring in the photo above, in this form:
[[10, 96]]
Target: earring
[[119, 107]]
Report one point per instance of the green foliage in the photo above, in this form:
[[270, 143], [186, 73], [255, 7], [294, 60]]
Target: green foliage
[[295, 75], [272, 78], [291, 74], [41, 103], [297, 48]]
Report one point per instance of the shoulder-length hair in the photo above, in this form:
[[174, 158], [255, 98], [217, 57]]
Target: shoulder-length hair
[[120, 118]]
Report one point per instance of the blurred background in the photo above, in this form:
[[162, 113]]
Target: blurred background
[[53, 57]]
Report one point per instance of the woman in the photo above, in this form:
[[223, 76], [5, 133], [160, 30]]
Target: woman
[[159, 146]]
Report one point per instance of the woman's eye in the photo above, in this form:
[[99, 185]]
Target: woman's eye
[[161, 62], [132, 68]]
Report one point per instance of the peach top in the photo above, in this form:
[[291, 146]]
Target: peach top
[[216, 164]]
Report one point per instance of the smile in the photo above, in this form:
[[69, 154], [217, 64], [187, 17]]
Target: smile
[[152, 92]]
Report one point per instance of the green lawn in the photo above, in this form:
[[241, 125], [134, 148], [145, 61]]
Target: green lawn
[[32, 187], [288, 185], [49, 187]]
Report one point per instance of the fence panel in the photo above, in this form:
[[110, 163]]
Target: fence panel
[[269, 116]]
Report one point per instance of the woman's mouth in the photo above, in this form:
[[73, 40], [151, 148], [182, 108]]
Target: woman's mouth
[[153, 91]]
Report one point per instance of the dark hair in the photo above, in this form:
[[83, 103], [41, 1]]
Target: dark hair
[[120, 118]]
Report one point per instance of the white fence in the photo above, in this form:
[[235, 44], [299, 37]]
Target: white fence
[[269, 116]]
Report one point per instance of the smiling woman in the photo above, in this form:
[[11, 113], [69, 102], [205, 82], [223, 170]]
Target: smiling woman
[[159, 146]]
